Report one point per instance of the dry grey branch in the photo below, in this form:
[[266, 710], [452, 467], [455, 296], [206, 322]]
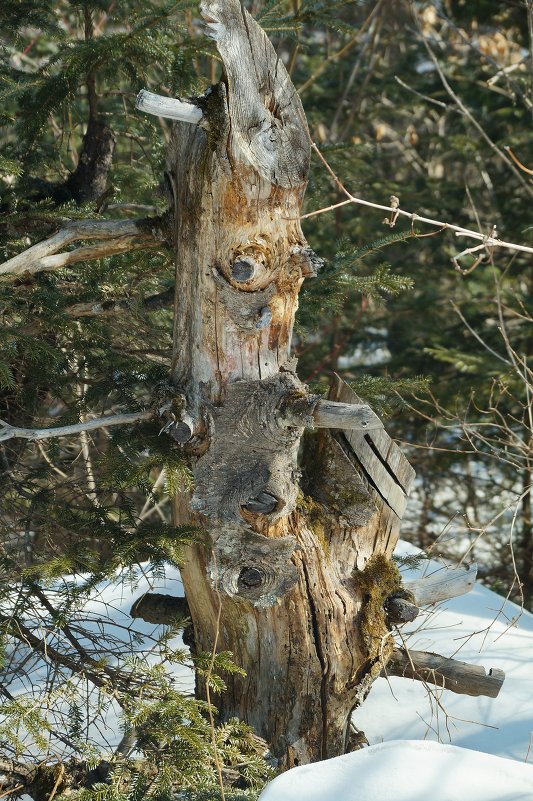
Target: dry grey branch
[[111, 237], [13, 432]]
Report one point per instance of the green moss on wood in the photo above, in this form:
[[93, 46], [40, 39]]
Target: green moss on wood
[[316, 517], [380, 579]]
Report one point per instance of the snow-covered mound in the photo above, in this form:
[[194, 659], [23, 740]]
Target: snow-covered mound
[[406, 770]]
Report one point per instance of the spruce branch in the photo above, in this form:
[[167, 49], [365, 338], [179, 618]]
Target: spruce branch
[[112, 237], [12, 432]]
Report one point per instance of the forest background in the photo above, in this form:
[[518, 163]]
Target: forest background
[[412, 101]]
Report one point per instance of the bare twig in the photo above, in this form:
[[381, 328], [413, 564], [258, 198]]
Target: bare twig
[[155, 302], [355, 70], [12, 790], [423, 97], [13, 432], [517, 161], [488, 241], [469, 116], [340, 53]]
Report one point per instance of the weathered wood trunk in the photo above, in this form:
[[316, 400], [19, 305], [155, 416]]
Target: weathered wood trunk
[[298, 570]]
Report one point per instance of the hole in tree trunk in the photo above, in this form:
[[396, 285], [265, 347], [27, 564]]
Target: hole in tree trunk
[[251, 577], [264, 503]]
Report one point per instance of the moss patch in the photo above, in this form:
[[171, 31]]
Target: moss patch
[[380, 579], [331, 478], [316, 517]]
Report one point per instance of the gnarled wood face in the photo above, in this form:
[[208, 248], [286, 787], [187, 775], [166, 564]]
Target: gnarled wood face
[[237, 184]]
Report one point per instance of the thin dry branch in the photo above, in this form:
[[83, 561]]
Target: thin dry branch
[[489, 241], [468, 114], [339, 53], [112, 237], [156, 302], [13, 432]]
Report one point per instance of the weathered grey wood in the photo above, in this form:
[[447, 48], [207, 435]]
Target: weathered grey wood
[[183, 430], [159, 608], [268, 128], [383, 463], [313, 411], [170, 107], [447, 582], [244, 269], [348, 416], [12, 432], [112, 236], [450, 674]]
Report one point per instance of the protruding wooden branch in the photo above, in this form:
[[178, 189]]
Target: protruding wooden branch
[[449, 582], [400, 610], [117, 236], [348, 416], [320, 413], [12, 432], [184, 429], [169, 107], [450, 674], [161, 300]]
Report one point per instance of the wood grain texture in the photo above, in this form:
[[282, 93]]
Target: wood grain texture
[[268, 126], [111, 236], [442, 584]]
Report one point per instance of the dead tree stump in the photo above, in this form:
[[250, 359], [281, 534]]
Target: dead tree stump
[[298, 570]]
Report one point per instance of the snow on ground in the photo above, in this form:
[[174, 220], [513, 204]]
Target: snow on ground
[[406, 770], [480, 628], [401, 717]]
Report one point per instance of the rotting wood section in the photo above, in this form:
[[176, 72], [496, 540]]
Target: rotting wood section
[[297, 580]]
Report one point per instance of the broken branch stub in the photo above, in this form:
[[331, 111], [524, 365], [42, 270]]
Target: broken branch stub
[[170, 107], [444, 583], [450, 674]]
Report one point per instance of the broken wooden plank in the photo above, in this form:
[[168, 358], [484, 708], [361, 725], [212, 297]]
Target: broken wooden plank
[[447, 582], [449, 674], [383, 463]]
